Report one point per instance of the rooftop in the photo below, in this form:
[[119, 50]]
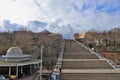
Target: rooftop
[[7, 63], [15, 54]]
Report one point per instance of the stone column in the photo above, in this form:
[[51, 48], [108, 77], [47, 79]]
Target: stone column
[[16, 71], [21, 69], [9, 70], [30, 69], [38, 65]]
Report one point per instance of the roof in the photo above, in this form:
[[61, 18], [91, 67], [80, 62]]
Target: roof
[[15, 54], [14, 50], [7, 63], [15, 57]]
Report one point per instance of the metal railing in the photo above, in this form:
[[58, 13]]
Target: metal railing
[[82, 44], [110, 62], [58, 65], [91, 51]]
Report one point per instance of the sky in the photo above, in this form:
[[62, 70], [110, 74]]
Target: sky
[[59, 16]]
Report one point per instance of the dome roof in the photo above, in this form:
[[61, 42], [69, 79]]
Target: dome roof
[[15, 54], [14, 51]]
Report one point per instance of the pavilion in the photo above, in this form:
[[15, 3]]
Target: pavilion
[[18, 64]]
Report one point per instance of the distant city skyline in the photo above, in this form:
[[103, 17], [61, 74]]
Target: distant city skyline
[[59, 16]]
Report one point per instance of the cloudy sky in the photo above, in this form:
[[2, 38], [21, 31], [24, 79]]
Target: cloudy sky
[[60, 16]]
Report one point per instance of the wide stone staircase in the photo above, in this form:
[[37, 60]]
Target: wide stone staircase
[[85, 64], [80, 64]]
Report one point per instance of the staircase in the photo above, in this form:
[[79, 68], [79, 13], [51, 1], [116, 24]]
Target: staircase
[[86, 64], [79, 63], [89, 76], [79, 56]]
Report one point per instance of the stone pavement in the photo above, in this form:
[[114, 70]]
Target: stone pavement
[[79, 63]]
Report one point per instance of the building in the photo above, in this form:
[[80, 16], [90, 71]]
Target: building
[[18, 64], [79, 37]]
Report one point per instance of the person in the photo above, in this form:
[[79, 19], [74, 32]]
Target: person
[[53, 77], [2, 77], [60, 69]]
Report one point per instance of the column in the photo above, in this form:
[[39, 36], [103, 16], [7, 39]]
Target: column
[[30, 69], [38, 65], [16, 71], [21, 69], [9, 70]]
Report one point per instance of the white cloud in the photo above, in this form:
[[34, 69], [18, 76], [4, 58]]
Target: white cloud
[[80, 15], [19, 11]]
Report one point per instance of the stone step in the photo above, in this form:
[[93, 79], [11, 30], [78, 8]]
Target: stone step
[[86, 65], [80, 64], [72, 47], [79, 56], [89, 76]]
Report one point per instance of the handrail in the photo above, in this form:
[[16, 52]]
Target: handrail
[[60, 57], [91, 51], [82, 44], [58, 65], [110, 62]]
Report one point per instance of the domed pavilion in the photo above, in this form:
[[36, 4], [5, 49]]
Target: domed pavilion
[[16, 63], [15, 54]]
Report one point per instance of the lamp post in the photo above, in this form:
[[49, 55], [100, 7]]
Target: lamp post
[[42, 47]]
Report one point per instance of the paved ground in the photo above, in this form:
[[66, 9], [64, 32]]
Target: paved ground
[[30, 77]]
